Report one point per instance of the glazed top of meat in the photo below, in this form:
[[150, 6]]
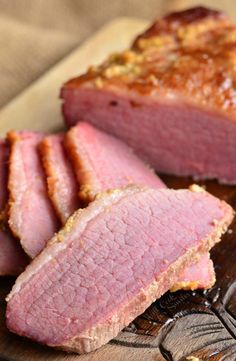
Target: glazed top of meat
[[189, 54]]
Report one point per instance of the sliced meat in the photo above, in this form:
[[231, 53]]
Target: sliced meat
[[110, 262], [102, 162], [171, 96], [31, 215], [62, 185], [200, 275], [12, 258]]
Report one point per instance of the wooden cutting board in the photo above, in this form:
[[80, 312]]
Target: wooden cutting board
[[179, 326]]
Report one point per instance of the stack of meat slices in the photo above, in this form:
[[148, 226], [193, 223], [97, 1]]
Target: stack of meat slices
[[12, 258], [134, 230], [51, 176]]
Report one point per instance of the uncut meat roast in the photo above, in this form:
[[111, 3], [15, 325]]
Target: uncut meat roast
[[171, 96]]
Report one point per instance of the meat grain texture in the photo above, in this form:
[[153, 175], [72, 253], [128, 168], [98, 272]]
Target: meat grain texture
[[171, 96], [102, 162], [110, 262], [62, 185], [12, 258], [31, 216]]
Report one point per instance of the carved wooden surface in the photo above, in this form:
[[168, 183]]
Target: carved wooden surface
[[200, 324], [180, 325]]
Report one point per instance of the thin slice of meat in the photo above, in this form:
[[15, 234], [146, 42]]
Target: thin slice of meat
[[197, 276], [110, 262], [12, 258], [171, 96], [102, 162], [95, 156], [62, 185], [31, 216]]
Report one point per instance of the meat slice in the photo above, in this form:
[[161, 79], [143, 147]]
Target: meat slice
[[62, 185], [12, 258], [102, 162], [171, 97], [110, 262], [200, 275], [31, 215]]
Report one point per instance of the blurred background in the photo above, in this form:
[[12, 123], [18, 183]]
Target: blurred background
[[35, 34]]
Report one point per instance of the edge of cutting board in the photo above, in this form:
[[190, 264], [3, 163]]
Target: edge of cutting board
[[38, 106]]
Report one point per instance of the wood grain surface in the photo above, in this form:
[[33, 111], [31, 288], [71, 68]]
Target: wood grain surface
[[179, 326]]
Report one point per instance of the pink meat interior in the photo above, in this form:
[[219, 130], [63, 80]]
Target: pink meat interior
[[122, 250]]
